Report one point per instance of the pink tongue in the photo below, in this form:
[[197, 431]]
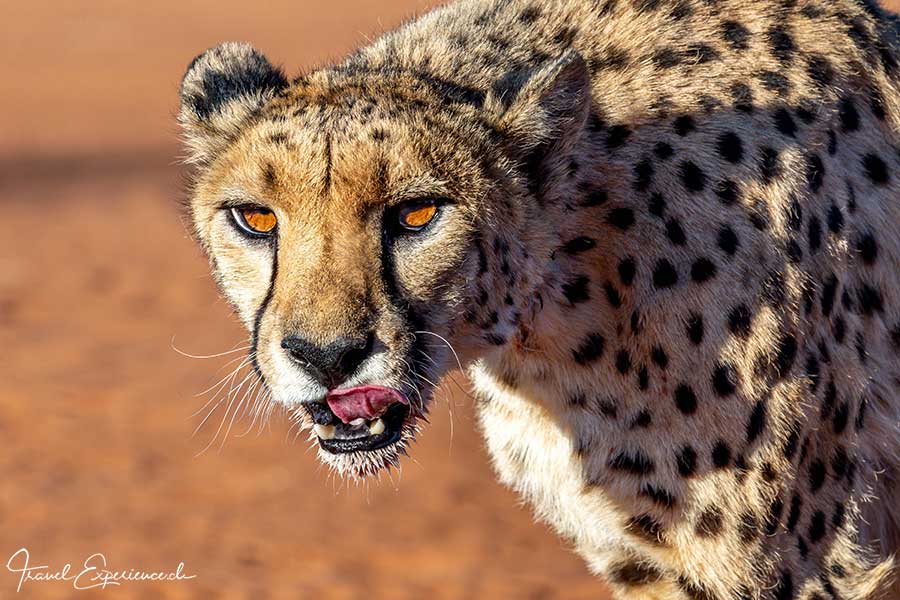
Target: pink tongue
[[366, 402]]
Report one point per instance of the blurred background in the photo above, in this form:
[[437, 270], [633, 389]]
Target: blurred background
[[98, 276]]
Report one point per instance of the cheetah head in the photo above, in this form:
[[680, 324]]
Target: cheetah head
[[374, 227]]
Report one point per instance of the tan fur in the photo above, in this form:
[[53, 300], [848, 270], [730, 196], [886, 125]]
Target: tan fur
[[669, 259]]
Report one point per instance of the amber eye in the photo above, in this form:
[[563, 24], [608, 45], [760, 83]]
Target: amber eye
[[417, 215], [255, 220]]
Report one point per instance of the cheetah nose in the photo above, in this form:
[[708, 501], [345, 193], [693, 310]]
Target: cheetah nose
[[329, 364]]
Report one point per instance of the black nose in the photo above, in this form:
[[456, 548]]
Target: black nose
[[332, 363]]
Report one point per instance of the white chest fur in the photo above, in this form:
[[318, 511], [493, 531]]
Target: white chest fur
[[534, 455]]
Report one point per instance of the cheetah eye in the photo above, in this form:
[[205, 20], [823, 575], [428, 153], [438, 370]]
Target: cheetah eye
[[255, 221], [415, 215]]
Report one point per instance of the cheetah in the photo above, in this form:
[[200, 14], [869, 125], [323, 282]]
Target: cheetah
[[661, 237]]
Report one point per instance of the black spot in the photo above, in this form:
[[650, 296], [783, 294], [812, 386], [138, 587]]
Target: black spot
[[742, 96], [721, 454], [748, 527], [736, 35], [675, 233], [774, 516], [869, 300], [785, 123], [685, 399], [657, 205], [693, 178], [576, 291], [643, 175], [802, 548], [867, 248], [785, 589], [642, 420], [659, 495], [686, 459], [840, 329], [840, 418], [695, 328], [794, 514], [646, 527], [709, 523], [634, 574], [664, 274], [728, 240], [829, 399], [724, 379], [794, 252], [832, 142], [781, 44], [769, 164], [814, 233], [579, 244], [703, 270], [622, 218], [876, 103], [590, 350], [820, 70], [739, 321], [848, 115], [785, 355], [817, 473], [646, 5], [623, 362], [813, 372], [666, 58], [727, 191], [636, 463], [837, 519], [758, 215], [795, 215], [817, 527], [701, 53], [659, 357], [683, 125], [612, 294], [839, 463], [530, 14], [627, 270], [775, 82], [876, 169], [730, 147], [829, 289], [815, 172], [616, 136], [835, 219], [594, 197], [757, 422], [662, 150], [806, 111]]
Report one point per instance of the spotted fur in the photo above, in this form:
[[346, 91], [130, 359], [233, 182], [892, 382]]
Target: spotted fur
[[669, 260]]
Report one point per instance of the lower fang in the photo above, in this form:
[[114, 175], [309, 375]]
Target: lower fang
[[326, 432], [376, 427]]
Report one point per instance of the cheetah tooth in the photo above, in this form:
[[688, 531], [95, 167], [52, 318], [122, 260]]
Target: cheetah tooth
[[326, 432], [355, 423], [376, 427]]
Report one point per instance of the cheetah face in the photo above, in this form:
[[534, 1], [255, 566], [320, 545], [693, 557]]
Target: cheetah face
[[354, 224]]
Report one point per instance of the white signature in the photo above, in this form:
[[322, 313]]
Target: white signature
[[94, 574]]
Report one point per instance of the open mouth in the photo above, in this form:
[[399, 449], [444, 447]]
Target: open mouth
[[359, 419]]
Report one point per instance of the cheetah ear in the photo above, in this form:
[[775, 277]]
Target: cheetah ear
[[543, 111], [221, 89]]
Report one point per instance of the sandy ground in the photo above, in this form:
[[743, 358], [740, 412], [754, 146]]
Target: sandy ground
[[98, 276]]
